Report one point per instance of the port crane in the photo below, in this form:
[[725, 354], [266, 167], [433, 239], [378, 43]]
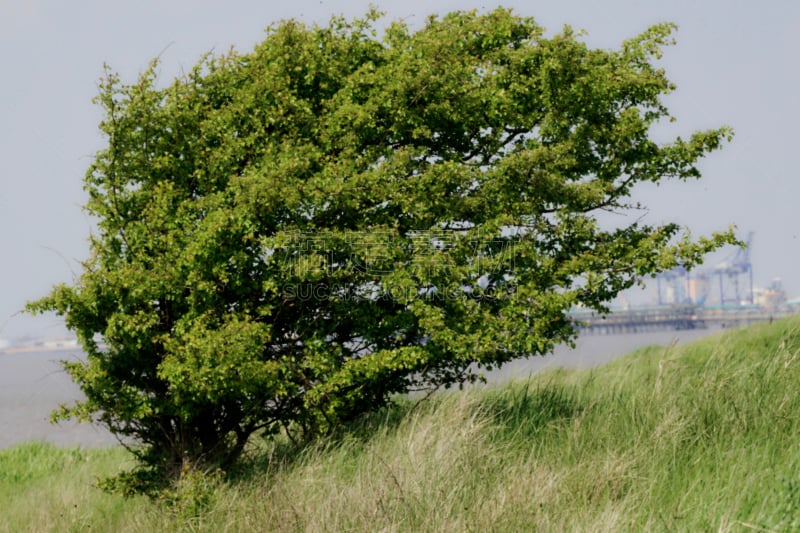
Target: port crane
[[730, 274], [734, 278]]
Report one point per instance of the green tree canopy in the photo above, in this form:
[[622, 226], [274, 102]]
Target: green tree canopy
[[289, 237]]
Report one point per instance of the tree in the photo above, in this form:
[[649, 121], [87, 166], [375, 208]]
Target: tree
[[290, 237]]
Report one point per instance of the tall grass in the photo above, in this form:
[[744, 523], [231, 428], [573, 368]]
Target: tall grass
[[696, 438], [44, 488]]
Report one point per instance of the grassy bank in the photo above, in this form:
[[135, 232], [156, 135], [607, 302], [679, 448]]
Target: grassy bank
[[694, 438]]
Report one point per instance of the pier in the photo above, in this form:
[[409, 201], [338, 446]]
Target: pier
[[662, 318]]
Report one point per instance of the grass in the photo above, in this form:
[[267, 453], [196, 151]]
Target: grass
[[702, 437]]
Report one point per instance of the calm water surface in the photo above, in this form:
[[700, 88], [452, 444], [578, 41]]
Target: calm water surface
[[33, 384]]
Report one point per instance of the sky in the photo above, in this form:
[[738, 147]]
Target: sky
[[734, 64]]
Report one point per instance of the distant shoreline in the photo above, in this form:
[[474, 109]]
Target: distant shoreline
[[37, 348]]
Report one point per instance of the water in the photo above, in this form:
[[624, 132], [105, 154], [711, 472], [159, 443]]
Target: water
[[594, 350], [33, 384]]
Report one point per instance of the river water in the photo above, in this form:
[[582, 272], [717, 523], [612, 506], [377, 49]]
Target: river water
[[32, 384]]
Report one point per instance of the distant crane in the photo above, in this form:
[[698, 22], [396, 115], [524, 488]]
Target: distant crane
[[734, 275], [680, 286], [731, 272], [670, 286]]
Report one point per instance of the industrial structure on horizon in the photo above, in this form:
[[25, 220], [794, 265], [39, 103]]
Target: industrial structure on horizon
[[727, 284], [721, 296]]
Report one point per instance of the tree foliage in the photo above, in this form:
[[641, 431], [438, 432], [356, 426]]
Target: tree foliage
[[289, 237]]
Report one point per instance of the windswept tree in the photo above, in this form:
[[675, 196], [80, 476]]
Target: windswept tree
[[288, 238]]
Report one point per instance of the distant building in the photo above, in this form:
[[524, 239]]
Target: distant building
[[59, 344], [772, 296]]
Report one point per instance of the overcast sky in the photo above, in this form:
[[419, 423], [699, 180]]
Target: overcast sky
[[735, 63]]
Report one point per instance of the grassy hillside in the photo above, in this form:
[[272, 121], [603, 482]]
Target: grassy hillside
[[695, 438]]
